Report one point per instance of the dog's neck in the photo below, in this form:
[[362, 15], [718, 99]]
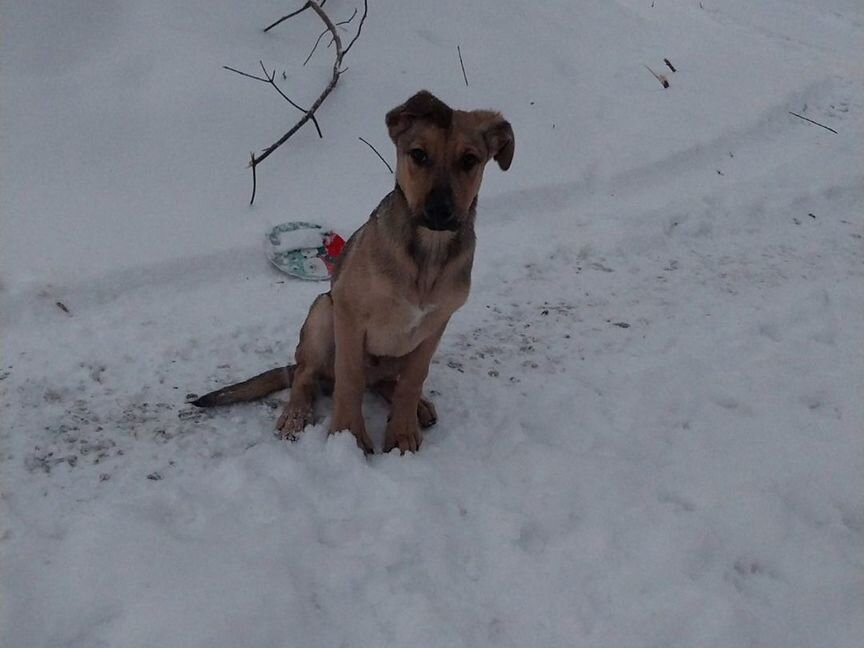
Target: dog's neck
[[430, 247], [429, 252]]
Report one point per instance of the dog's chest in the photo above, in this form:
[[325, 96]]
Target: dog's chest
[[401, 328], [416, 314]]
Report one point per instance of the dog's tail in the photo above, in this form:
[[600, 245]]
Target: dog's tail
[[248, 390]]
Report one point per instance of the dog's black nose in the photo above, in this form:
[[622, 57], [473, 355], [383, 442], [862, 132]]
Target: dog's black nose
[[438, 212]]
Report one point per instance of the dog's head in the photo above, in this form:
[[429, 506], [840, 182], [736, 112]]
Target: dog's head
[[441, 154]]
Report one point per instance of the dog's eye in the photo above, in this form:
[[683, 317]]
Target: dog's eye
[[419, 156], [468, 161]]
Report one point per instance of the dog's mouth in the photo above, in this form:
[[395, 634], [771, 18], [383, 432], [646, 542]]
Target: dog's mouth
[[450, 225], [439, 220]]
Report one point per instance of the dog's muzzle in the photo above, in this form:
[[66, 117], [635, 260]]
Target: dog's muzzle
[[438, 213]]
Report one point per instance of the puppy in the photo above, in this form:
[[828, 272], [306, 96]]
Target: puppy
[[400, 278]]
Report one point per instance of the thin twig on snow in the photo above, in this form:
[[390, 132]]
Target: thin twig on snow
[[464, 76], [814, 122], [662, 79], [380, 157]]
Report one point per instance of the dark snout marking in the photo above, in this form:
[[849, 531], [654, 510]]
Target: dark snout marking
[[439, 212]]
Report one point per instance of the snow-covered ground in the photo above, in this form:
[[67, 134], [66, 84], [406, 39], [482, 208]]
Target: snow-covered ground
[[651, 417]]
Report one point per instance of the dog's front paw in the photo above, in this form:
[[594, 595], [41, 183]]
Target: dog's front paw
[[293, 421], [364, 441], [407, 438], [357, 427]]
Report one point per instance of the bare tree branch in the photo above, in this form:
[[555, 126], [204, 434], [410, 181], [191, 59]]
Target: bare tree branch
[[324, 33], [359, 27], [245, 74], [310, 114], [346, 21], [315, 46], [338, 70], [380, 157], [254, 177], [271, 80], [291, 15]]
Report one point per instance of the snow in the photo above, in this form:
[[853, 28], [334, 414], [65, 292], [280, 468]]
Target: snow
[[651, 429]]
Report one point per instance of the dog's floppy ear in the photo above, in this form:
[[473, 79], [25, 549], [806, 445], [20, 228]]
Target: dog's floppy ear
[[423, 105], [500, 140]]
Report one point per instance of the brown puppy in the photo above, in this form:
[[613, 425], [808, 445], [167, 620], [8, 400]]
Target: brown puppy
[[399, 279]]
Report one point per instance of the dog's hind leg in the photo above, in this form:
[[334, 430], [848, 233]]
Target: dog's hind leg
[[314, 363]]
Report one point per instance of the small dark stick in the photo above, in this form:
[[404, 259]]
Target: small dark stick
[[62, 307], [464, 76], [662, 79], [254, 177], [669, 65], [380, 157], [814, 122]]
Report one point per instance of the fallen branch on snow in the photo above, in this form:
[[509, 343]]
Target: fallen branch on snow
[[308, 115]]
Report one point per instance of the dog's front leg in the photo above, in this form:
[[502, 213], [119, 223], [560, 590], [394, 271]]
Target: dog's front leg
[[402, 428], [350, 377]]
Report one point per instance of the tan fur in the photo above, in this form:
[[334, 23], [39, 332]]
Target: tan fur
[[400, 278]]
